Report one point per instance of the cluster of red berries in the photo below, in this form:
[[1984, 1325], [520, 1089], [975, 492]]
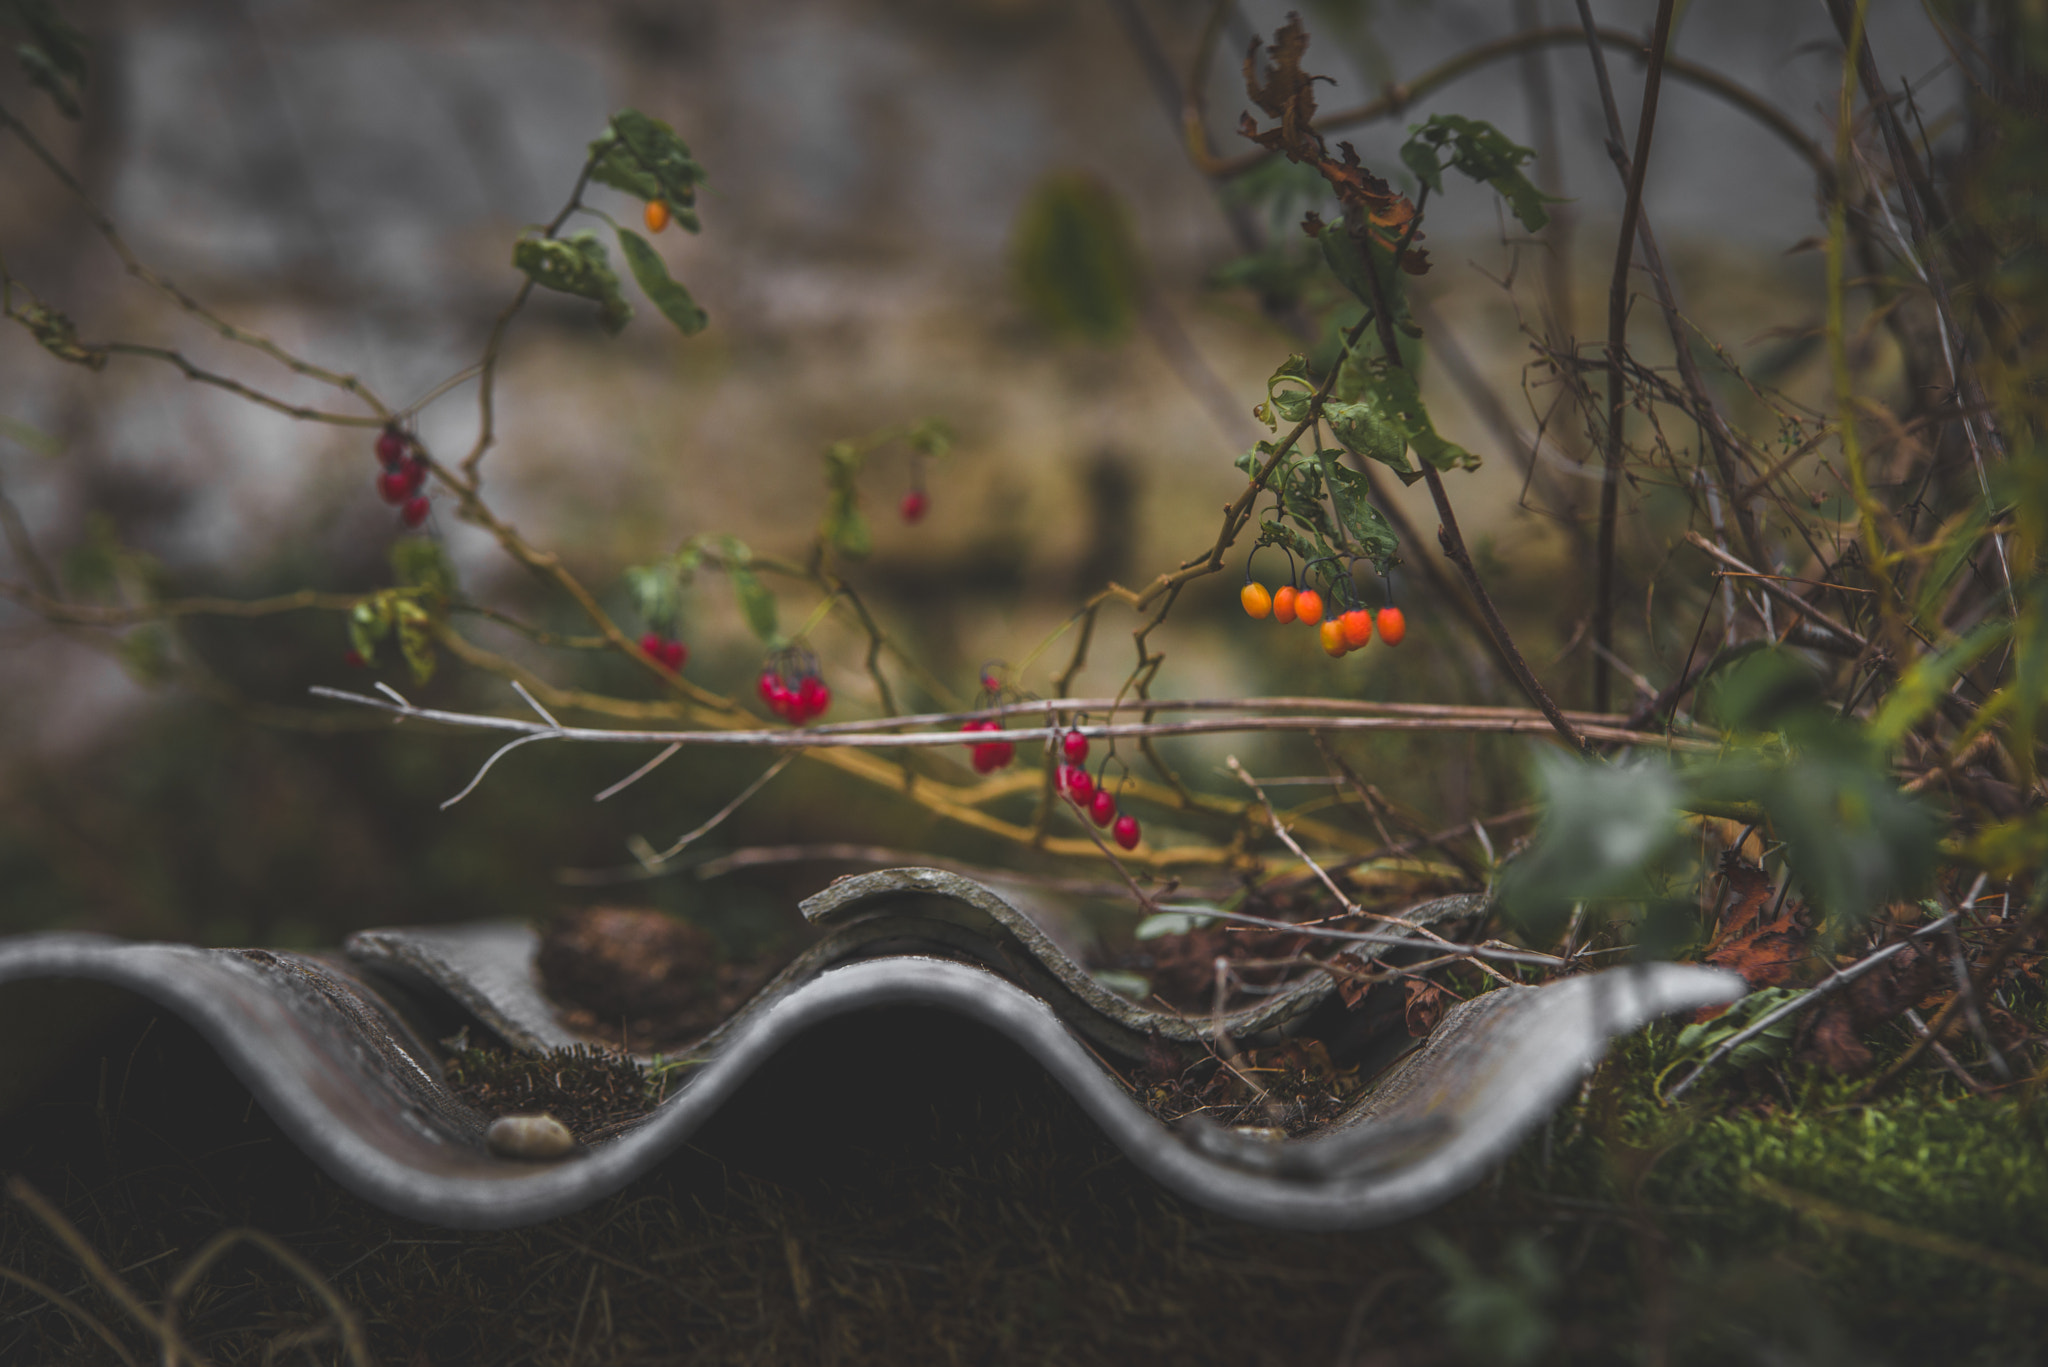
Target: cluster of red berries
[[404, 475], [990, 755], [1091, 796], [1343, 633], [792, 689], [667, 653]]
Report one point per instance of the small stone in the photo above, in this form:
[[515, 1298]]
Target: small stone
[[537, 1137]]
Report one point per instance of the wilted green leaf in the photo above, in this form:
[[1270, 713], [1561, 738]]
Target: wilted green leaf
[[1703, 1037], [369, 622], [421, 562], [1371, 535], [577, 265], [651, 273], [644, 157], [1077, 261], [1480, 151], [415, 638], [1364, 428]]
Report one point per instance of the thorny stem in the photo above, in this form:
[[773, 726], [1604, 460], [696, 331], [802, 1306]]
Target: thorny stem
[[1617, 342]]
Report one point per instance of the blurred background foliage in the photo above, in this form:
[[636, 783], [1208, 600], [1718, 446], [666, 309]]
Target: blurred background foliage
[[984, 214]]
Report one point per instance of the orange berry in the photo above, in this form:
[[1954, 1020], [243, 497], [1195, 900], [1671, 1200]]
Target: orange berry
[[1257, 602], [1357, 627], [1308, 606], [656, 215], [1332, 633], [1393, 626], [1283, 604]]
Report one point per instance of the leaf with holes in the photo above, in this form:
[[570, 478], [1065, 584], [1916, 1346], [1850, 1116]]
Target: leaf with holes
[[577, 265], [644, 157]]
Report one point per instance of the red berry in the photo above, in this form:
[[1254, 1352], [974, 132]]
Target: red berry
[[1126, 832], [1393, 626], [394, 487], [1074, 746], [415, 511], [1000, 752], [650, 646], [781, 698], [390, 447], [813, 697], [415, 472], [915, 505], [354, 659], [674, 654], [770, 685], [1103, 807], [1074, 781]]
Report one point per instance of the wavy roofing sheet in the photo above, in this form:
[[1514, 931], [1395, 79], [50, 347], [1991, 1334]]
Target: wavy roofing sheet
[[338, 1049]]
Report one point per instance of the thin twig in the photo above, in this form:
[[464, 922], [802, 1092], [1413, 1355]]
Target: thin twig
[[1617, 342], [1351, 908], [804, 739]]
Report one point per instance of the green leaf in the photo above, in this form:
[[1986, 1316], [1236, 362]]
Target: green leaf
[[415, 638], [1603, 828], [577, 265], [421, 562], [1703, 1037], [369, 622], [757, 605], [1402, 400], [1371, 534], [1077, 261], [657, 594], [30, 438], [1176, 920], [930, 437], [146, 655], [1928, 680], [1480, 152], [1131, 985], [644, 157], [53, 56], [1365, 428], [672, 299]]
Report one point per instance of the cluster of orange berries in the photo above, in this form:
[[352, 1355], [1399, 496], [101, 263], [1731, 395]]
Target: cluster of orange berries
[[1342, 633]]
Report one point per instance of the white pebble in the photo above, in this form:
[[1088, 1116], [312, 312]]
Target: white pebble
[[529, 1136]]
